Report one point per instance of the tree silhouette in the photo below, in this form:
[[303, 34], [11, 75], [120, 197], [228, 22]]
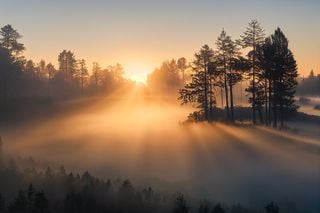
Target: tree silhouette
[[40, 203], [182, 66], [282, 74], [67, 66], [2, 204], [272, 208], [198, 90], [251, 38], [231, 67], [204, 207], [20, 204], [180, 205], [9, 70], [9, 40], [218, 209], [83, 73]]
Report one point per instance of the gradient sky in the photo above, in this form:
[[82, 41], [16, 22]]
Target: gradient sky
[[141, 33]]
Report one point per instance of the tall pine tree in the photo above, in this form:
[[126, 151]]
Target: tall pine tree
[[252, 38]]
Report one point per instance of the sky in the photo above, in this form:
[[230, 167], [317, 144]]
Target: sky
[[140, 34]]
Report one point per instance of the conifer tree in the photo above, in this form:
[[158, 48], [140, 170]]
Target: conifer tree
[[252, 38], [198, 90]]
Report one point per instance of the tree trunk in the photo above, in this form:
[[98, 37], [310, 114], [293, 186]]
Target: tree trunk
[[227, 98], [270, 104], [260, 115], [274, 106], [281, 106], [266, 101], [231, 103], [221, 92], [253, 99]]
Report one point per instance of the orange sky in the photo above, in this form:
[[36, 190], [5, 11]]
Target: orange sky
[[141, 34]]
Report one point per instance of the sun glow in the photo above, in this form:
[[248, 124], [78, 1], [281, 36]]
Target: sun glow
[[138, 72]]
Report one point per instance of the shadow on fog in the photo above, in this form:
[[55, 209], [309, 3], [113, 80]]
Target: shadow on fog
[[142, 139]]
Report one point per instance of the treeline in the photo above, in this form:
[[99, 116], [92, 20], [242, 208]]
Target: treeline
[[309, 86], [269, 66], [42, 191], [21, 78]]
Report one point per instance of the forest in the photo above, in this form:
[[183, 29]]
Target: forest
[[208, 88]]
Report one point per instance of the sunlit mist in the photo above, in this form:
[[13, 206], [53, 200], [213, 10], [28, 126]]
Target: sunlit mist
[[141, 138]]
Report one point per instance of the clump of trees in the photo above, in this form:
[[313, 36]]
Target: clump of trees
[[32, 190], [309, 86], [22, 78], [269, 66], [169, 77]]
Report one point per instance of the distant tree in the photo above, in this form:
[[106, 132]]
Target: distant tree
[[238, 209], [272, 208], [311, 75], [96, 76], [1, 153], [42, 69], [182, 66], [51, 71], [2, 202], [166, 79], [198, 90], [204, 207], [251, 38], [20, 204], [180, 205], [67, 65], [83, 72], [9, 40], [40, 203], [218, 209], [30, 198]]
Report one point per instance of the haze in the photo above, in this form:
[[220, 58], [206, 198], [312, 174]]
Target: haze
[[141, 139]]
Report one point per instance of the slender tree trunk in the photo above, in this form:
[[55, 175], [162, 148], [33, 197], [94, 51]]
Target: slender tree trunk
[[270, 103], [205, 92], [253, 93], [183, 80], [274, 106], [211, 98], [82, 85], [260, 114], [266, 101], [281, 106], [96, 82], [231, 103], [226, 94], [49, 78], [221, 92]]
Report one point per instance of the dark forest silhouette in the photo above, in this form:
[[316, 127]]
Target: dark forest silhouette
[[32, 190]]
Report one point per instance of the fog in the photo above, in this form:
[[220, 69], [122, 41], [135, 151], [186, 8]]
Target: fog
[[143, 139]]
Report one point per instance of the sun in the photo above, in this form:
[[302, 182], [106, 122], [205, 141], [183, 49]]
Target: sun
[[137, 72]]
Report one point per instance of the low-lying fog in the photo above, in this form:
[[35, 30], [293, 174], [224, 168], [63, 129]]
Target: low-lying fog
[[142, 140]]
